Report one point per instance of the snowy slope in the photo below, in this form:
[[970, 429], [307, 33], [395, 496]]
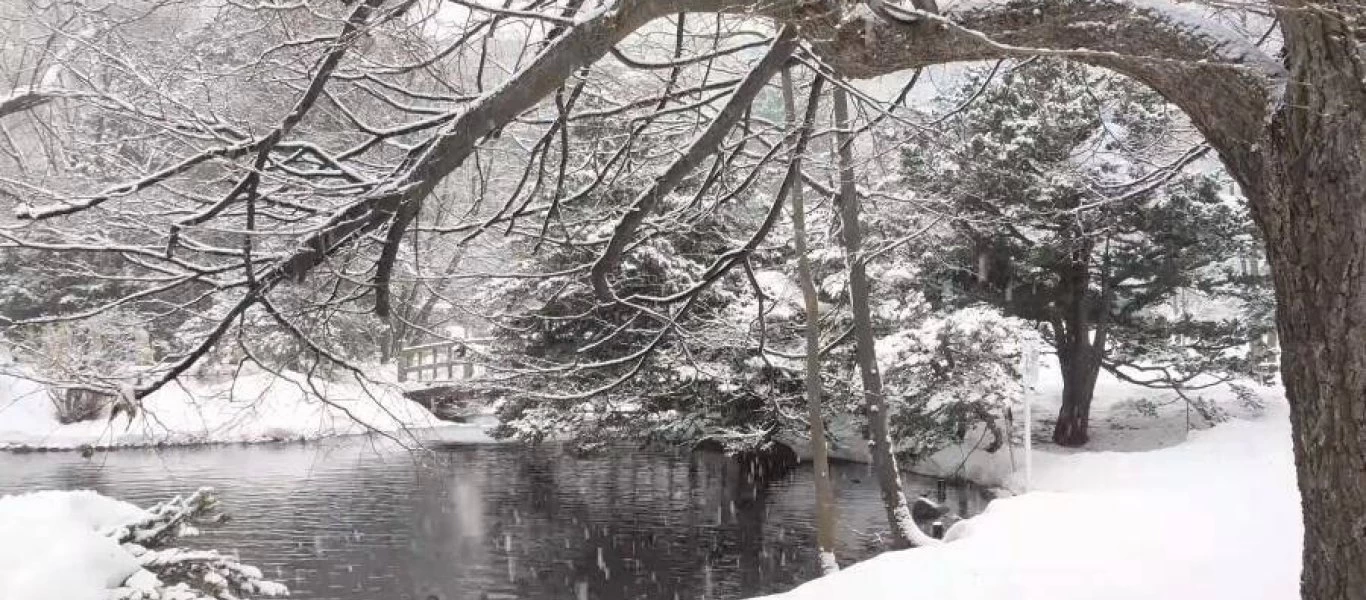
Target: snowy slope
[[1214, 517], [256, 406]]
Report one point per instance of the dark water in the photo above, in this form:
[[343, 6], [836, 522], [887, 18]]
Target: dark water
[[356, 519]]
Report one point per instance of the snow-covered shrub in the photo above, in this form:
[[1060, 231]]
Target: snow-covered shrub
[[86, 362], [1145, 407], [1248, 398], [73, 404], [953, 374], [104, 345]]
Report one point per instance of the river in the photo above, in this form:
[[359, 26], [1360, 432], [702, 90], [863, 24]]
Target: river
[[360, 518]]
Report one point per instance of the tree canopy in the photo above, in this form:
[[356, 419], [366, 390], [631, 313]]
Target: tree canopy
[[277, 173]]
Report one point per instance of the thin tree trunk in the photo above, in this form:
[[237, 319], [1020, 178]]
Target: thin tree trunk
[[820, 460], [904, 530]]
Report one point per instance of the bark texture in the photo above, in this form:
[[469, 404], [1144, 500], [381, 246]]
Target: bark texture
[[904, 529], [815, 416], [1312, 210]]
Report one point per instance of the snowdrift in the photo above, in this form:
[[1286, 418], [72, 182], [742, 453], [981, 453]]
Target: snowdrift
[[51, 546], [79, 545]]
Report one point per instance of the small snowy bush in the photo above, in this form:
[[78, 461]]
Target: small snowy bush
[[953, 374], [1248, 398], [86, 361]]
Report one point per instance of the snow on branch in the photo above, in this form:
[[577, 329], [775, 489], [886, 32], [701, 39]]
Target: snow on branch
[[194, 575], [180, 574], [169, 519], [1218, 76], [294, 204], [28, 98], [702, 146]]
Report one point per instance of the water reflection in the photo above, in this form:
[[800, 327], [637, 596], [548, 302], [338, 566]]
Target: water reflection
[[355, 519]]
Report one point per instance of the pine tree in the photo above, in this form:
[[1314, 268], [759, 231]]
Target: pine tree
[[1060, 218]]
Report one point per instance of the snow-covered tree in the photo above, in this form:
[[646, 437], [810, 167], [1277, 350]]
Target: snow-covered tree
[[1069, 212], [1281, 110], [637, 367]]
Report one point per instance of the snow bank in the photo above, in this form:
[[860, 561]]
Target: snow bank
[[79, 545], [255, 406], [1217, 516], [52, 546]]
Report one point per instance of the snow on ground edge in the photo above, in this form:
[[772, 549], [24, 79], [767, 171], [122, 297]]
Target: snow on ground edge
[[52, 548], [255, 406], [1215, 517]]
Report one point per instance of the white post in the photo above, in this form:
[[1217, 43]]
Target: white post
[[1029, 440], [1031, 378]]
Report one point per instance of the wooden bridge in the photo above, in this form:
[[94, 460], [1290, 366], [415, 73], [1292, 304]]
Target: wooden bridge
[[443, 361], [447, 367]]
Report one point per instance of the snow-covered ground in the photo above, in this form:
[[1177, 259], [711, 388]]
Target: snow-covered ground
[[255, 406], [80, 545], [52, 546], [1124, 418], [1148, 510]]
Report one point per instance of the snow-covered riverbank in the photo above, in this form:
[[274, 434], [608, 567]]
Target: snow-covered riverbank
[[1146, 512], [80, 545], [254, 407]]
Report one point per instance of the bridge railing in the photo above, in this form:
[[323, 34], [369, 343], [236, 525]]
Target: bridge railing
[[439, 361]]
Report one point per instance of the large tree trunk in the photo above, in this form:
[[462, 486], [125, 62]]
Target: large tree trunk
[[1080, 348], [1320, 278], [1079, 373], [815, 416], [1312, 210]]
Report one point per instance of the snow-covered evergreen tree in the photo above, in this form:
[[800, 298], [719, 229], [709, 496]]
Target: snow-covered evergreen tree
[[1071, 208]]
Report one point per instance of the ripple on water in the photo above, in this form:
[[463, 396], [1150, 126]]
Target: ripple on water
[[356, 519]]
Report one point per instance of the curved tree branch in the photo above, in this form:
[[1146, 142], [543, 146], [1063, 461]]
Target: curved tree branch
[[30, 98], [1220, 78], [704, 145]]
